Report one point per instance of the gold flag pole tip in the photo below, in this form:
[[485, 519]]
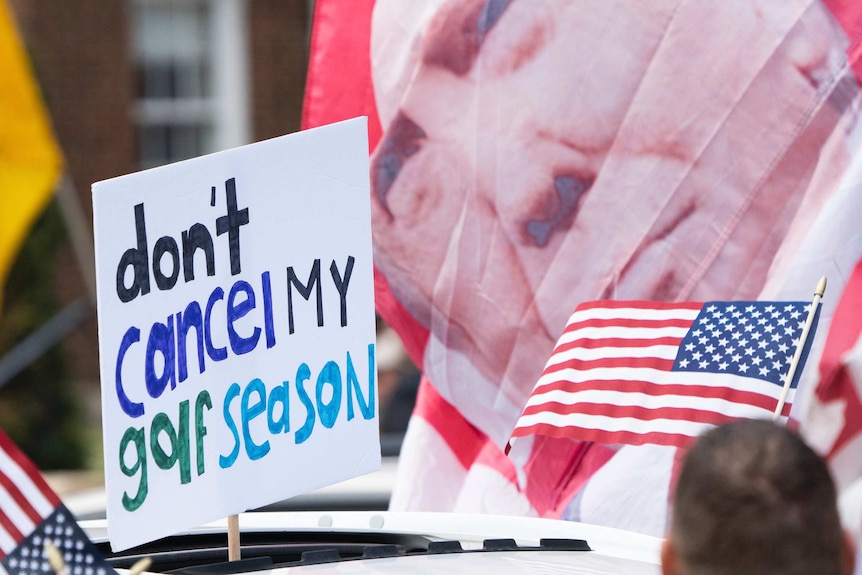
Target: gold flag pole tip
[[821, 287], [55, 559], [140, 566]]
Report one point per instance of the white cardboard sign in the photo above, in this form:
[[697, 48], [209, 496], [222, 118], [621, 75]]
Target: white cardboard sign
[[236, 330]]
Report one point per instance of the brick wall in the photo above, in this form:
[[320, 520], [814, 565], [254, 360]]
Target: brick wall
[[80, 52], [80, 57], [279, 56]]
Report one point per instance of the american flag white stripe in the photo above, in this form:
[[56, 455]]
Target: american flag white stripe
[[614, 374], [633, 333], [7, 542], [633, 312], [598, 353]]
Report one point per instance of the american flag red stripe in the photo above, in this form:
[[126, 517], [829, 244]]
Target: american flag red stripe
[[25, 497], [612, 376], [646, 388]]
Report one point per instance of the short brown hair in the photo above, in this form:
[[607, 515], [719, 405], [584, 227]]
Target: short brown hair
[[753, 497]]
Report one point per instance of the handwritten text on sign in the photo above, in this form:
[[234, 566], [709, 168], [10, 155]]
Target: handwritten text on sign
[[236, 328]]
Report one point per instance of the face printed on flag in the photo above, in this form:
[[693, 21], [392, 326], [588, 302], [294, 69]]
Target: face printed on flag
[[516, 178], [31, 514], [651, 372]]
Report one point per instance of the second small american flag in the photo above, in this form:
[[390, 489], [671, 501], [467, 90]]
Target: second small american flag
[[649, 372]]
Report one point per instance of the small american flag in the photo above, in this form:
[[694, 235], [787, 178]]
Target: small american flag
[[31, 514], [648, 372]]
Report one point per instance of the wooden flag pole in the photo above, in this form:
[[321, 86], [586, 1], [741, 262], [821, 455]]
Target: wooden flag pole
[[233, 550], [788, 379], [140, 566]]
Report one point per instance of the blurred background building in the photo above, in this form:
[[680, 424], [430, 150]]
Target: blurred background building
[[129, 84]]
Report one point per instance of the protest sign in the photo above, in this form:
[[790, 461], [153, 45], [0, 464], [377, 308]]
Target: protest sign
[[236, 330]]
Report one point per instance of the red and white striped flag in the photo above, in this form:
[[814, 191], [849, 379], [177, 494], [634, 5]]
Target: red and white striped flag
[[25, 498], [651, 372], [31, 515]]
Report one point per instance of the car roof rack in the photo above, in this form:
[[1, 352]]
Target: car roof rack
[[206, 554]]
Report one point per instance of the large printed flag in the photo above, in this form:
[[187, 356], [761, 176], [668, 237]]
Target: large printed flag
[[31, 515], [30, 160], [529, 156], [639, 372]]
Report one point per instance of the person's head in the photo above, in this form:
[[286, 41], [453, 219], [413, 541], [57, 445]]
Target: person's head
[[753, 497]]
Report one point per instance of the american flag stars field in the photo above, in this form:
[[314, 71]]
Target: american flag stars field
[[756, 339]]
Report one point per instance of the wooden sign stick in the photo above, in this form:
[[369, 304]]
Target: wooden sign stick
[[233, 549]]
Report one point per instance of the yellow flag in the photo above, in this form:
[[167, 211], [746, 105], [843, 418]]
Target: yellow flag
[[30, 160]]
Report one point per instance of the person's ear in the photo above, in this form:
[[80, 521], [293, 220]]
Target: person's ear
[[669, 558], [848, 559]]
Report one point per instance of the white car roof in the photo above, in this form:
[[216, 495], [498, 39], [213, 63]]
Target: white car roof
[[514, 544], [498, 563]]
